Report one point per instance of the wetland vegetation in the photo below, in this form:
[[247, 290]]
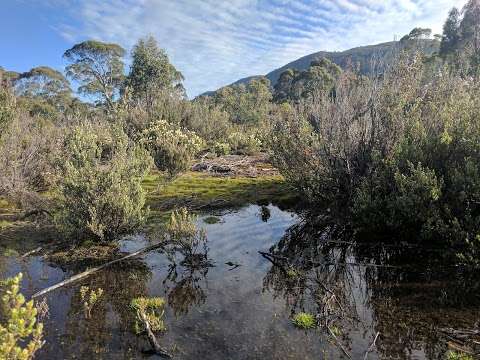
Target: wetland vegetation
[[333, 214]]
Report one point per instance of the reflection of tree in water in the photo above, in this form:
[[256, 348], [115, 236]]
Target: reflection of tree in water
[[94, 336], [318, 268], [184, 289], [313, 278], [187, 251]]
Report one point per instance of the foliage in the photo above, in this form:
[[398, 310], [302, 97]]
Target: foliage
[[89, 298], [153, 309], [44, 83], [183, 233], [27, 149], [101, 173], [20, 333], [400, 152], [7, 109], [171, 147], [294, 85], [152, 73], [304, 321], [243, 142], [453, 355], [246, 104], [98, 67]]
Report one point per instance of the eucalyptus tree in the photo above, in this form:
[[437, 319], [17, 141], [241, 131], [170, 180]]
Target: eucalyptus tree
[[46, 84], [99, 69]]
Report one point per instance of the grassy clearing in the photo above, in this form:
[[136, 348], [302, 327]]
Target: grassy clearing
[[199, 191]]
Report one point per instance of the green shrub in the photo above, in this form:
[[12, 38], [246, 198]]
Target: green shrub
[[171, 147], [7, 108], [401, 153], [304, 321], [244, 143], [100, 190], [220, 148], [20, 333], [153, 311]]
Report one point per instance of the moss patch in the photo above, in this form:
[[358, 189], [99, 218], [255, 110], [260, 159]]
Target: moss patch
[[199, 191], [211, 220]]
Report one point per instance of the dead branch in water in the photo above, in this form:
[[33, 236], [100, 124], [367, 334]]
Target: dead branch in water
[[371, 346], [338, 342], [95, 269], [151, 336], [28, 253]]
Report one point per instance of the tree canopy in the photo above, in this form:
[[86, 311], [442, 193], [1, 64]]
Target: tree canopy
[[151, 72], [98, 67]]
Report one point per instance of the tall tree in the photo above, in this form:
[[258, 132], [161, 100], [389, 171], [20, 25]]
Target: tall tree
[[470, 28], [98, 67], [151, 73], [45, 83], [450, 38]]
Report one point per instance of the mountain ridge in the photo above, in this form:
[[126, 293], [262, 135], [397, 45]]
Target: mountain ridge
[[361, 56]]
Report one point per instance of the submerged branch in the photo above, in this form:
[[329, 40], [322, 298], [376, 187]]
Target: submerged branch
[[95, 269]]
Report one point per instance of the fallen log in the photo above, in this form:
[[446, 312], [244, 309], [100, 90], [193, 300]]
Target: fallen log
[[95, 269]]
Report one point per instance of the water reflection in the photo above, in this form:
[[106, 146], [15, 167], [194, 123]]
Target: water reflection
[[184, 288], [316, 267], [356, 290]]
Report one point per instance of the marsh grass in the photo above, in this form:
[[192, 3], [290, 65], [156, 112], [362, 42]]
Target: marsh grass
[[199, 191]]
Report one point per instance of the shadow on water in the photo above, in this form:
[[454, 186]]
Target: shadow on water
[[240, 303]]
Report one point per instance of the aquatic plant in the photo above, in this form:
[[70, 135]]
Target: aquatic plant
[[211, 220], [151, 310], [89, 298], [20, 332], [304, 321], [454, 355]]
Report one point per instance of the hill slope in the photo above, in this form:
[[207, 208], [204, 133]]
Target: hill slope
[[364, 57]]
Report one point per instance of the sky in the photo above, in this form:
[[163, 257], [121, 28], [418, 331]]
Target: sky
[[212, 42]]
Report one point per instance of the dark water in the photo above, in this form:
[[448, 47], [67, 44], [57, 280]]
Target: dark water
[[244, 312]]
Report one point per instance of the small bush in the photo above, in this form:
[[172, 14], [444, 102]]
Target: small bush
[[220, 148], [304, 321], [171, 147], [20, 333], [244, 143], [100, 188], [153, 309]]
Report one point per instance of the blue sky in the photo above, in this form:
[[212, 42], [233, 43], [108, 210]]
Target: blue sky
[[213, 42]]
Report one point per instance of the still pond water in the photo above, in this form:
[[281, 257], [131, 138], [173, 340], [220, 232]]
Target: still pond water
[[241, 306]]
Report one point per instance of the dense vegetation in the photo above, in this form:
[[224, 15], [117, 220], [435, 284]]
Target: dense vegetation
[[397, 154]]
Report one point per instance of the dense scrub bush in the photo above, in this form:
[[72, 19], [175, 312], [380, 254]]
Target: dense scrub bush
[[7, 108], [27, 148], [402, 152], [244, 142], [171, 147], [100, 190]]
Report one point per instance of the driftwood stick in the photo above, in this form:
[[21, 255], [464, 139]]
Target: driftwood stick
[[95, 269], [338, 342], [28, 253], [151, 336], [371, 346]]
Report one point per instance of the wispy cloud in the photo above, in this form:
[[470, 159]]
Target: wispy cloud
[[215, 42]]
